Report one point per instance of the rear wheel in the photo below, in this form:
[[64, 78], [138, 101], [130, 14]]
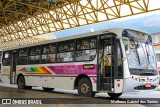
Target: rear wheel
[[47, 89], [114, 95], [21, 82], [85, 88]]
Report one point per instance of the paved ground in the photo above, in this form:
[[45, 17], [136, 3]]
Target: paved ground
[[11, 91]]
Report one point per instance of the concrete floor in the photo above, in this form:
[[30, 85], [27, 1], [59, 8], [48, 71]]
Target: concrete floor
[[11, 91]]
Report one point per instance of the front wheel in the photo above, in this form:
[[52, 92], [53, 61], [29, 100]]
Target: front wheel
[[85, 88], [114, 95]]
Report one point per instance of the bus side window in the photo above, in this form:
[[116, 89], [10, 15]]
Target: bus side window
[[34, 55], [6, 58], [49, 54], [65, 51], [44, 55], [85, 49], [22, 57]]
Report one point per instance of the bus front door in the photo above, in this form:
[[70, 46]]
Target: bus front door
[[106, 53], [13, 68]]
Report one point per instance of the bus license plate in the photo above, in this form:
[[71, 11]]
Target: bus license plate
[[148, 85]]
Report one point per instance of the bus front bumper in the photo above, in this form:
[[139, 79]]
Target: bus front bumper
[[148, 83]]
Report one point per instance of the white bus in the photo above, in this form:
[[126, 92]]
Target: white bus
[[113, 61]]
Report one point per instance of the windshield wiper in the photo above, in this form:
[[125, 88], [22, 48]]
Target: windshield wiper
[[137, 52], [146, 44], [138, 56]]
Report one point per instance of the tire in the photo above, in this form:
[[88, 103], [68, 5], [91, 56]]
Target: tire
[[114, 95], [21, 82], [48, 89], [85, 88]]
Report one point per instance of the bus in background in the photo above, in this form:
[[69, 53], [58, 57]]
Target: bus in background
[[113, 61]]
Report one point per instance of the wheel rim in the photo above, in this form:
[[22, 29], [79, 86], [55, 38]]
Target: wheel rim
[[84, 88], [21, 83]]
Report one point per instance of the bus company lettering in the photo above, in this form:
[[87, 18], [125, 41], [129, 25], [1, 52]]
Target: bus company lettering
[[72, 69], [69, 70], [63, 69]]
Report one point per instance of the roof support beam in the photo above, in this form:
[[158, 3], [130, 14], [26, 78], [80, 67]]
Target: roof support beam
[[21, 19]]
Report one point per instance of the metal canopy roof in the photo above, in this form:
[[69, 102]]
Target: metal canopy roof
[[20, 19]]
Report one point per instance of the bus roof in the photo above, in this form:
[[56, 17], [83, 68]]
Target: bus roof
[[112, 30]]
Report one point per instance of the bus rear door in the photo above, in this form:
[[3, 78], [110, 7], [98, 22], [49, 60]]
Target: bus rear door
[[13, 67]]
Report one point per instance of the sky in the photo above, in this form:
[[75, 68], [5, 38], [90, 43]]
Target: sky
[[148, 22]]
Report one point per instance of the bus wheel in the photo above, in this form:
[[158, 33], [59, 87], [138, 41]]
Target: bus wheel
[[21, 82], [85, 88], [47, 89], [114, 95]]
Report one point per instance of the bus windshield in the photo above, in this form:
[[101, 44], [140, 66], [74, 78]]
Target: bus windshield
[[141, 51], [142, 56]]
